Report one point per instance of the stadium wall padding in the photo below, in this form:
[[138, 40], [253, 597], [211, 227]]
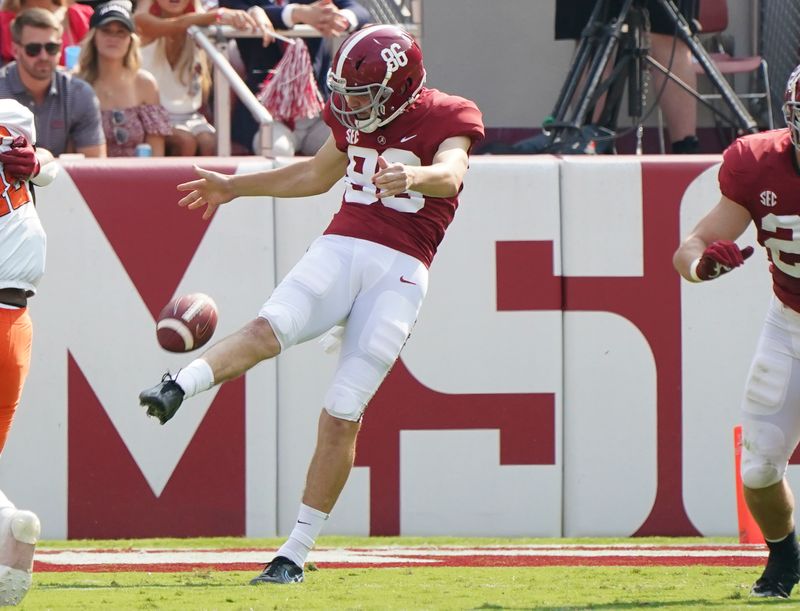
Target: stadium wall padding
[[561, 381]]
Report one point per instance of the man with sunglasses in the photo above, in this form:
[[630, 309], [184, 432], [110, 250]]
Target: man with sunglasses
[[65, 107]]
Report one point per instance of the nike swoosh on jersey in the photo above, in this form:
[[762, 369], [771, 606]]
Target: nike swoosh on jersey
[[407, 138], [404, 281]]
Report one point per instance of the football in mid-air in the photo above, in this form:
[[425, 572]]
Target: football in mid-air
[[186, 323]]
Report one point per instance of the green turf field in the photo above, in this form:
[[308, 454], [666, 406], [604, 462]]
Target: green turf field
[[545, 587]]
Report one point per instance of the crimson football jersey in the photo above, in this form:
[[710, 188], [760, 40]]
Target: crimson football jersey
[[409, 222], [760, 173]]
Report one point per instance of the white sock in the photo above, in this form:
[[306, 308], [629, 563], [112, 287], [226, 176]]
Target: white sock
[[195, 378], [309, 524]]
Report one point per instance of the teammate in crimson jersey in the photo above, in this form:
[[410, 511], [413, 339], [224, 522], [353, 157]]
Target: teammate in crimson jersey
[[22, 252], [760, 183], [403, 150]]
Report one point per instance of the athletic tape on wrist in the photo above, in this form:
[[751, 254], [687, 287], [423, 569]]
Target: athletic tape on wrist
[[693, 270]]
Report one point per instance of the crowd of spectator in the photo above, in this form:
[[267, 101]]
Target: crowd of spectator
[[140, 79], [303, 136], [73, 17]]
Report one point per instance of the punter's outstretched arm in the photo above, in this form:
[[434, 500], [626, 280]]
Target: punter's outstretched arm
[[308, 177]]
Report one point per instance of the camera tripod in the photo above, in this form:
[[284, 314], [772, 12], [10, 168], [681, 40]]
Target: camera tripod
[[570, 128]]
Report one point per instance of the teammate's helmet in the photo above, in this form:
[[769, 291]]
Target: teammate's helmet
[[383, 63], [791, 106]]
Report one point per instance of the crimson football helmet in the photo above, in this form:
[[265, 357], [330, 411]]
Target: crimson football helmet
[[382, 64], [791, 106]]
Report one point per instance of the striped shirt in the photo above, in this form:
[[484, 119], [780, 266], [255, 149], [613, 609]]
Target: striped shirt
[[69, 114]]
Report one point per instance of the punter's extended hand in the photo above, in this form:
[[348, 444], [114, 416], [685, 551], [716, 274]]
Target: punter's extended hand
[[211, 190], [718, 258], [391, 178], [20, 161]]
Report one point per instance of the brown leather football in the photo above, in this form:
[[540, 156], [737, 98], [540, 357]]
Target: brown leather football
[[186, 323]]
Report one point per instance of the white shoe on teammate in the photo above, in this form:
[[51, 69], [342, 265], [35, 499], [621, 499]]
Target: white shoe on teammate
[[19, 532]]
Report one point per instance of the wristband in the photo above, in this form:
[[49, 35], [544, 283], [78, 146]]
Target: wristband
[[46, 175], [218, 16], [693, 270]]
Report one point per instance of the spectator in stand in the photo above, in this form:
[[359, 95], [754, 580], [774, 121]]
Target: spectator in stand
[[181, 69], [73, 17], [128, 95], [64, 106], [331, 18]]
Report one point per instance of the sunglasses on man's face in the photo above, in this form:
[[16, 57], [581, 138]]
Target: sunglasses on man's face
[[33, 49]]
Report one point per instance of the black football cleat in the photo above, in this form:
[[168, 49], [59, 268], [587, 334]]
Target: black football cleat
[[163, 399], [280, 570], [777, 580]]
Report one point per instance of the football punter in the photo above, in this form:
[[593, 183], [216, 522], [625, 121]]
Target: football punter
[[403, 149], [760, 183]]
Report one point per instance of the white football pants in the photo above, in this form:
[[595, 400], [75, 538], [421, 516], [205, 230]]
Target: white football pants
[[771, 405], [374, 291]]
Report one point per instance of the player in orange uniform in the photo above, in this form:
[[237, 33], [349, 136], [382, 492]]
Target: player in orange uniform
[[403, 149], [22, 251], [760, 183]]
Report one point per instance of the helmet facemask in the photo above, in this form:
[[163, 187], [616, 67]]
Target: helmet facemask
[[791, 107], [791, 112], [377, 95]]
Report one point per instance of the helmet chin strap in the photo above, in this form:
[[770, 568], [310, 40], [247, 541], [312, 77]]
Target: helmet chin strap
[[374, 122], [405, 104], [368, 125]]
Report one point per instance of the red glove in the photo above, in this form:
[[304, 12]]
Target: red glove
[[20, 162], [719, 258]]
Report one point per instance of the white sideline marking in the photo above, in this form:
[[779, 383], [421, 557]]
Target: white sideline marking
[[217, 557], [385, 555]]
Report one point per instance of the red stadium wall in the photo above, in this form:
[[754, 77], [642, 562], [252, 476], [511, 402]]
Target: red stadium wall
[[562, 380]]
